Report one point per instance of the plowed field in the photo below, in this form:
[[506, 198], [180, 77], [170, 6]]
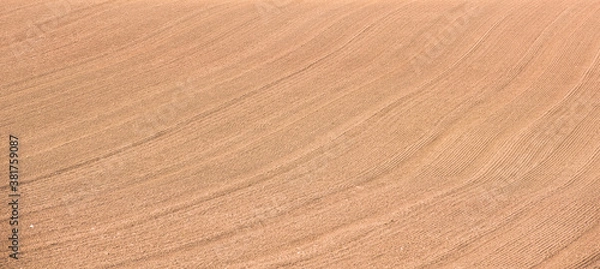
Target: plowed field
[[301, 133]]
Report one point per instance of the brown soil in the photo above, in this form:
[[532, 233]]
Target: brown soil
[[302, 134]]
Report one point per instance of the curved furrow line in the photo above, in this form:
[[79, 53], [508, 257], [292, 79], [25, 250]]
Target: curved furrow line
[[79, 166], [495, 168], [172, 128], [511, 151], [161, 133], [86, 6], [313, 134], [516, 99], [299, 207], [277, 56], [563, 249], [545, 197], [522, 205], [94, 132], [556, 191], [121, 49], [29, 5]]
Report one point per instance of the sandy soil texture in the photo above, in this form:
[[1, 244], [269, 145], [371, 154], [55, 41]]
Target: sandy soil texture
[[300, 134]]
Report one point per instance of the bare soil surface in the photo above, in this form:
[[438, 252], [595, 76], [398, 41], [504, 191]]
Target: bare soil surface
[[302, 133]]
